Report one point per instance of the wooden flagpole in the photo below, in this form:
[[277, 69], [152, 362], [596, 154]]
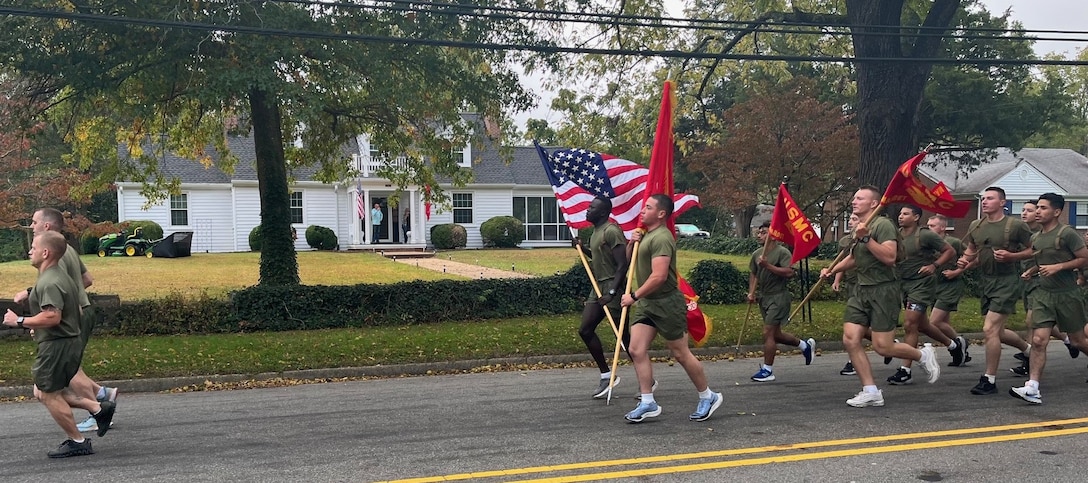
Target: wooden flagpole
[[597, 290], [623, 316]]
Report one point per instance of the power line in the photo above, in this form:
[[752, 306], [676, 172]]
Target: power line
[[552, 49]]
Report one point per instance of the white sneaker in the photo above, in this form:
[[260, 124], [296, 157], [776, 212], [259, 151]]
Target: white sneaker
[[1028, 394], [864, 399], [930, 364]]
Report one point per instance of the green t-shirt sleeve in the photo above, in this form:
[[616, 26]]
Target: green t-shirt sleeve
[[1071, 239], [783, 258], [614, 237], [1022, 238], [882, 231], [51, 295], [752, 266], [659, 247]]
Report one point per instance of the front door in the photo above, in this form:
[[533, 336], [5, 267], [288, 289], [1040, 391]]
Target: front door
[[379, 233]]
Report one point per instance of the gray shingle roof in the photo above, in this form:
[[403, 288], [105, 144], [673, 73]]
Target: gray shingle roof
[[520, 166], [1065, 168]]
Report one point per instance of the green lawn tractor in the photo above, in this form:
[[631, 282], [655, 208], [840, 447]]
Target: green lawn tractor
[[131, 245]]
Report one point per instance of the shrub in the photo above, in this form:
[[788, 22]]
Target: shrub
[[502, 232], [13, 245], [295, 307], [175, 314], [149, 230], [321, 238], [449, 236], [718, 282], [255, 240]]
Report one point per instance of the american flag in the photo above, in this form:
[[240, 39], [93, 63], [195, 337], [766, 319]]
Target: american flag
[[360, 204], [578, 175]]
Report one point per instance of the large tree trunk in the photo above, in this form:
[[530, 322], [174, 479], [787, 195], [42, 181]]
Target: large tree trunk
[[743, 219], [279, 264], [890, 93]]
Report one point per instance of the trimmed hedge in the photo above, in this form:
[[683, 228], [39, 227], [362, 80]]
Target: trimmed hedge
[[321, 238], [827, 250], [255, 240], [277, 308], [502, 232], [448, 236]]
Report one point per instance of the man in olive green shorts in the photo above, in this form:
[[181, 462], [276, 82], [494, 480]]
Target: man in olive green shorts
[[1028, 215], [608, 263], [770, 271], [659, 307], [1058, 251], [51, 219], [923, 252], [55, 323], [874, 306], [949, 287], [996, 244]]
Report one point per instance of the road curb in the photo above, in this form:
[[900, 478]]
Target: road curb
[[415, 369]]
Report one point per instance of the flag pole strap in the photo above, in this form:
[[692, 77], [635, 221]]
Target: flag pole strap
[[623, 316], [597, 290]]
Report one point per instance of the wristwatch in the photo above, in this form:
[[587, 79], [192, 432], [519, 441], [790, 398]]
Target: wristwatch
[[19, 321], [611, 291], [864, 239]]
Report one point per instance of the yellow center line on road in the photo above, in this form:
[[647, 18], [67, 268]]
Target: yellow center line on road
[[589, 465], [809, 456]]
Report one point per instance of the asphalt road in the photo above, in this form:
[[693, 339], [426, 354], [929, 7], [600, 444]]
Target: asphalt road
[[517, 426]]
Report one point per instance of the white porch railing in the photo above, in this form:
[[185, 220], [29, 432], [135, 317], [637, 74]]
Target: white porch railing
[[367, 165]]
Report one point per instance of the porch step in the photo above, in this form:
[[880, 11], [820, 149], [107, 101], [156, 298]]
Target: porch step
[[407, 254]]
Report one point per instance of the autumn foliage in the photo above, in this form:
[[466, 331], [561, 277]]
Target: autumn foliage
[[27, 180], [784, 133]]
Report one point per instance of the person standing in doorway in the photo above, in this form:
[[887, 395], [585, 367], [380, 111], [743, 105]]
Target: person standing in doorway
[[405, 226], [376, 221]]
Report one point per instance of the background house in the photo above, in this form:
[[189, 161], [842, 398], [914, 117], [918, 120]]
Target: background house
[[222, 209], [1023, 175]]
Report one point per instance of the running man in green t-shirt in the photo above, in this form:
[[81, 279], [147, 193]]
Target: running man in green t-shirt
[[770, 272], [949, 288], [659, 307], [1057, 250], [996, 244], [846, 281], [607, 254], [874, 306], [923, 253]]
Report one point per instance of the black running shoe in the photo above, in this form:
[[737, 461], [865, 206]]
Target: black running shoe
[[957, 353], [1073, 351], [105, 417], [1022, 370], [848, 370], [984, 386], [72, 448], [900, 378], [1022, 357]]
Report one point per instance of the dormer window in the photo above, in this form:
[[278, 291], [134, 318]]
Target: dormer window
[[463, 155]]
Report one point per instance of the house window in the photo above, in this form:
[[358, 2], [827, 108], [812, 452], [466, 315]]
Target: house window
[[462, 208], [179, 209], [296, 207], [462, 155], [541, 217]]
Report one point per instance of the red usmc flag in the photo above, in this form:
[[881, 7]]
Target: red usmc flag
[[790, 226]]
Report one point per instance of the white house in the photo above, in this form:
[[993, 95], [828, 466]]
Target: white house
[[221, 210], [1023, 175]]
